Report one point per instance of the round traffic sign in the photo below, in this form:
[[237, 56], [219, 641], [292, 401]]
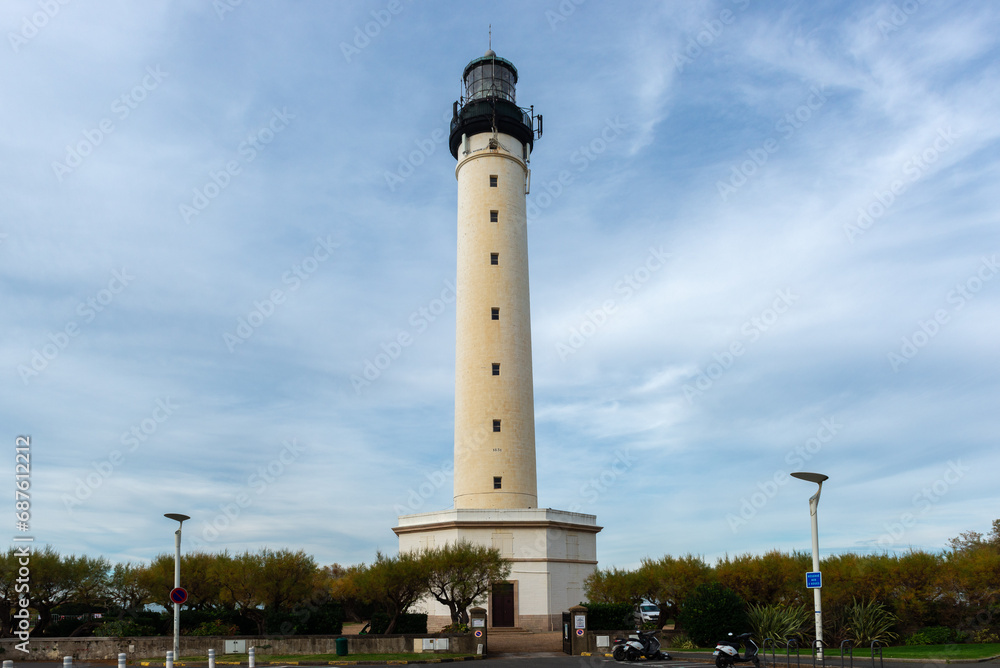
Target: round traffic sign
[[479, 633], [579, 632], [178, 595]]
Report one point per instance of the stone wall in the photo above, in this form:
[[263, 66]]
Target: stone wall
[[107, 649]]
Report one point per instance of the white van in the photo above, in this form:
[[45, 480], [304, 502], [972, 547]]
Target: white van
[[646, 613]]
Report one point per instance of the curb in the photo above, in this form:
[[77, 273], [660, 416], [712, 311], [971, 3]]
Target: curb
[[345, 662]]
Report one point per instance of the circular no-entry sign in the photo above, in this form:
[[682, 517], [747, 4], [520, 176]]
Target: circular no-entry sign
[[178, 595]]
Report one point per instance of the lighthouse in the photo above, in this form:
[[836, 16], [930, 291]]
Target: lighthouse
[[496, 494], [492, 138]]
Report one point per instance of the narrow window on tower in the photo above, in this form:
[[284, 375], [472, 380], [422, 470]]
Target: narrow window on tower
[[493, 180], [494, 258], [496, 368], [494, 216], [495, 313], [496, 425], [496, 482]]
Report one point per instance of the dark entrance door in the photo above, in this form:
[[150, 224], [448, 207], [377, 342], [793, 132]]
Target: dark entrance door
[[503, 604]]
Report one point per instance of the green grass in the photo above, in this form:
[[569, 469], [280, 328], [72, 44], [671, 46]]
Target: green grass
[[288, 658], [963, 651]]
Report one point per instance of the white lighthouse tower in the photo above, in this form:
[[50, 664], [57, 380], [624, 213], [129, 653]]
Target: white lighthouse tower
[[496, 497]]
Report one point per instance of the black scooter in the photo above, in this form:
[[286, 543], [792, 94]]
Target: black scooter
[[727, 652]]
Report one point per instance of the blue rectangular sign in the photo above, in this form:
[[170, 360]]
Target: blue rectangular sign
[[814, 580]]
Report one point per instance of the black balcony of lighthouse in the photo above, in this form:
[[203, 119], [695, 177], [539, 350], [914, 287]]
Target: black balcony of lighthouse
[[490, 103]]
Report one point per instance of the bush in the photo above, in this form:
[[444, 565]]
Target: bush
[[779, 622], [323, 619], [610, 616], [681, 641], [124, 628], [870, 622], [712, 611], [216, 627], [407, 623], [985, 636], [457, 628], [932, 635]]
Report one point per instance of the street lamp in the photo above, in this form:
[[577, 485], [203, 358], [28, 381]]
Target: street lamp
[[817, 478], [177, 579]]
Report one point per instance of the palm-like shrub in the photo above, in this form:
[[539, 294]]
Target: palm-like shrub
[[869, 622], [779, 622]]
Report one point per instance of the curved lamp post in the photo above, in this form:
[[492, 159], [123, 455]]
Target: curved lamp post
[[177, 579], [817, 478]]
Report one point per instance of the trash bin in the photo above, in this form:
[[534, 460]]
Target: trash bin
[[341, 646]]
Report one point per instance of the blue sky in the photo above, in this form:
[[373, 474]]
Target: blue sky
[[763, 238]]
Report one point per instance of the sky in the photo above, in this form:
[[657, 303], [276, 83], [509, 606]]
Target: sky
[[763, 239]]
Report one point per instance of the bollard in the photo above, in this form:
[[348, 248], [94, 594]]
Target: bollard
[[122, 658], [67, 662], [252, 658], [211, 658], [170, 659], [8, 664]]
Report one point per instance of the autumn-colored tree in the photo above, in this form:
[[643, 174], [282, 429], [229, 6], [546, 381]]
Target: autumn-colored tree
[[614, 585], [342, 583], [459, 574], [771, 578], [669, 581]]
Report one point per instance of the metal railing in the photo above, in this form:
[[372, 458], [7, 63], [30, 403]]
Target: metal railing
[[847, 647], [792, 643], [876, 645], [769, 643]]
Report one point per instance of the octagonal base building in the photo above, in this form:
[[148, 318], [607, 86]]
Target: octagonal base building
[[496, 498]]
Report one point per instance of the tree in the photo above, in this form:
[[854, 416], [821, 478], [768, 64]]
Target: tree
[[342, 584], [669, 581], [459, 574], [615, 585], [56, 580], [242, 579], [128, 588], [711, 612], [394, 583], [286, 578]]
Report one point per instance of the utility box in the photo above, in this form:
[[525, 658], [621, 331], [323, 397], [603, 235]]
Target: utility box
[[235, 647]]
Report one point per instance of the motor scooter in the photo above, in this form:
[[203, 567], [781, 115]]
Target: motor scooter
[[632, 649], [727, 652]]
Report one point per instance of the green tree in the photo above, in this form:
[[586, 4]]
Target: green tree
[[128, 588], [56, 580], [711, 612], [459, 574], [243, 587], [394, 583], [286, 578]]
